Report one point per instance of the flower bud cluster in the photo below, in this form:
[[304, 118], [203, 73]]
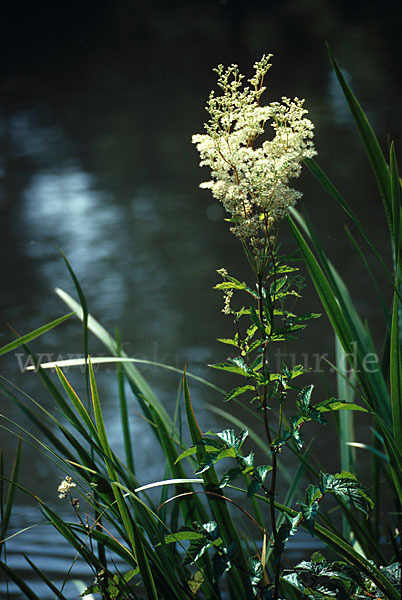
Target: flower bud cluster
[[252, 182], [66, 486]]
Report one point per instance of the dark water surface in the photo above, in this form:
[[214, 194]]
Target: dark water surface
[[98, 103]]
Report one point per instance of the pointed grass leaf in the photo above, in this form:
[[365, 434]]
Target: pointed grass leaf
[[46, 580], [137, 382], [396, 374], [144, 566], [218, 507], [6, 513], [85, 313], [331, 189], [370, 142], [34, 334], [29, 594]]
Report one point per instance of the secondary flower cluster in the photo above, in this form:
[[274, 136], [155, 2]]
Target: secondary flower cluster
[[66, 486], [252, 182]]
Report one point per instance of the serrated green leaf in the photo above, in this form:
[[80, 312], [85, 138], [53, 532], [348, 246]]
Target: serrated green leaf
[[334, 404], [309, 513], [199, 547], [287, 529], [304, 397], [229, 341], [348, 489], [259, 474], [247, 461], [195, 583], [312, 494], [277, 286], [285, 269], [255, 570], [262, 471], [211, 529], [229, 476], [295, 581], [221, 564], [317, 557], [296, 372], [188, 452], [307, 317], [228, 436], [234, 365], [181, 536], [212, 458]]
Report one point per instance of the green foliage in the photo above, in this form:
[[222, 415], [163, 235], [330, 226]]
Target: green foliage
[[320, 579], [189, 544]]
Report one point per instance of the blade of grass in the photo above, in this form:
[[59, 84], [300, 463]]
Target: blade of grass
[[349, 331], [219, 508], [6, 514], [396, 209], [44, 578], [24, 587], [138, 384], [124, 418], [370, 142], [34, 334], [396, 375], [85, 313], [100, 426], [331, 189]]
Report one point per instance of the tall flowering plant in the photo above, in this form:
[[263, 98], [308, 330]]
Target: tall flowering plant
[[251, 174]]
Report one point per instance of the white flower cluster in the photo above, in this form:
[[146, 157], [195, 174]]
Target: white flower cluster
[[65, 487], [252, 183]]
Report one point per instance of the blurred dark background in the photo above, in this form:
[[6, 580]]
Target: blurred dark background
[[98, 102]]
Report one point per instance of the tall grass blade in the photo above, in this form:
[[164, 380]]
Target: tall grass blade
[[41, 574], [144, 567], [346, 421], [24, 587], [218, 507], [370, 142], [332, 190], [137, 382], [33, 334], [396, 375], [85, 313], [6, 514], [124, 418], [396, 208], [353, 336], [100, 426]]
